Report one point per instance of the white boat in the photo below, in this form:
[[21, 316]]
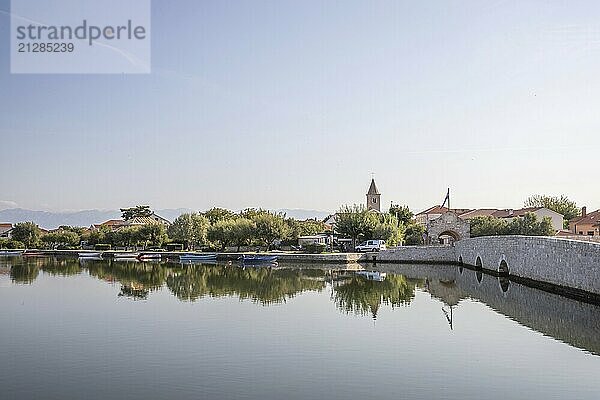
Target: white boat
[[125, 256], [372, 275], [150, 256], [10, 253], [90, 255], [197, 257]]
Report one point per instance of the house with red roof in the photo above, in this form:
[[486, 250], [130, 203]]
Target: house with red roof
[[5, 230], [586, 224]]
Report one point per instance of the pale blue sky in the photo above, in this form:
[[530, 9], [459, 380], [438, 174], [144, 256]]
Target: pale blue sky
[[284, 104]]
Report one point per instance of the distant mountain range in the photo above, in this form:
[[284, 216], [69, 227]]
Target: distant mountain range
[[52, 220]]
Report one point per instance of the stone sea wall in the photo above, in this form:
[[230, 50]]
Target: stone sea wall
[[412, 254], [567, 263]]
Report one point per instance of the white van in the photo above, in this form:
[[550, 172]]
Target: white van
[[371, 245]]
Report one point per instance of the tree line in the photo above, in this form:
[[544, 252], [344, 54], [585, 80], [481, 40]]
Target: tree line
[[394, 227], [219, 228], [216, 229], [528, 225]]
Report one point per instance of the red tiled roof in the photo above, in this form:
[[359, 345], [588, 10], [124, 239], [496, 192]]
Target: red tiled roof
[[434, 210], [442, 210], [590, 218], [113, 222], [5, 225], [478, 213], [515, 213], [141, 221]]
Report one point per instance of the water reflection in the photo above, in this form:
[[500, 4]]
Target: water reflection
[[261, 285], [24, 273], [137, 276], [573, 322], [362, 297], [26, 270]]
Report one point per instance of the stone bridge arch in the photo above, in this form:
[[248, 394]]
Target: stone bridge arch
[[448, 228]]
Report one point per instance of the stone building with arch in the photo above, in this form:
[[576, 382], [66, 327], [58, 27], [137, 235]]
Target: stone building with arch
[[447, 229]]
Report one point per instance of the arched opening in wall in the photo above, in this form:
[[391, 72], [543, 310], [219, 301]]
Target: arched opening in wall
[[460, 260], [504, 283], [479, 263], [448, 237], [503, 268]]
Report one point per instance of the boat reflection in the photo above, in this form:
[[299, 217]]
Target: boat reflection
[[571, 321]]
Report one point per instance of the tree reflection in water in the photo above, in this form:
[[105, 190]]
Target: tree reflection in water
[[60, 266], [351, 294], [24, 273], [26, 269], [137, 279], [361, 296], [261, 285]]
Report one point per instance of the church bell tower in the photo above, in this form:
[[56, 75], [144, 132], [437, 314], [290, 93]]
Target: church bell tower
[[373, 197]]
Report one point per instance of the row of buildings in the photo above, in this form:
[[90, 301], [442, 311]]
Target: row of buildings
[[111, 224], [585, 225]]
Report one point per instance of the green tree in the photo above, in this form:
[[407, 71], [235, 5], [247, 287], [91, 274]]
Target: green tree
[[222, 233], [528, 225], [302, 228], [217, 214], [389, 229], [487, 225], [403, 213], [77, 229], [413, 234], [190, 229], [27, 233], [61, 238], [153, 234], [137, 211], [252, 213], [127, 236], [10, 244], [269, 228], [242, 232], [98, 236], [355, 222], [560, 204]]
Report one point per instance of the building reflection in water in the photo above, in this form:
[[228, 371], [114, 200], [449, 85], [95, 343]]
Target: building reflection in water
[[574, 322]]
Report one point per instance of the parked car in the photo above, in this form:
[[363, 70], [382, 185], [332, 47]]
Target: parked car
[[371, 245]]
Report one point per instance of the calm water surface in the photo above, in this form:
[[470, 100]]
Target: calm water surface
[[116, 330]]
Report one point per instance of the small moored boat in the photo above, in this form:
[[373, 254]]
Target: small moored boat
[[10, 253], [149, 256], [125, 256], [94, 255], [257, 259], [191, 258], [33, 254]]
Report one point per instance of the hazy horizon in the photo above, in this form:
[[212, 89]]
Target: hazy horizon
[[294, 105]]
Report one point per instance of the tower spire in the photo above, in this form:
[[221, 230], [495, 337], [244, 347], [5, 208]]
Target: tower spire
[[373, 197]]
